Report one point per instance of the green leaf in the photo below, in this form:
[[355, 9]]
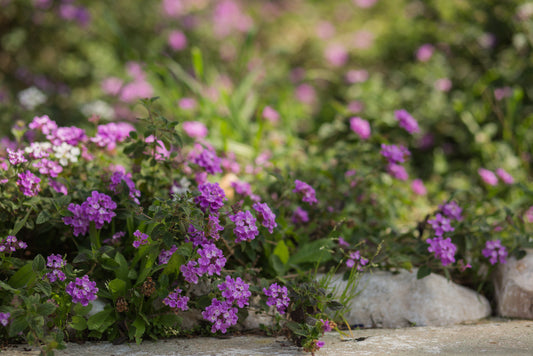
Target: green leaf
[[22, 277], [46, 309], [43, 217], [78, 323], [123, 268], [38, 264], [316, 251], [423, 271], [334, 305], [82, 310], [20, 223], [197, 62], [173, 264], [117, 287], [43, 287], [17, 325], [282, 251], [140, 327], [7, 287], [101, 320], [169, 320], [185, 249]]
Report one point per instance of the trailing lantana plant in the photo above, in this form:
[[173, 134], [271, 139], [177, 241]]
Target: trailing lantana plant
[[136, 231]]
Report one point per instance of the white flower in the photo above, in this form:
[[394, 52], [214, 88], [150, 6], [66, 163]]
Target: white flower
[[65, 153], [38, 149], [31, 98], [100, 108]]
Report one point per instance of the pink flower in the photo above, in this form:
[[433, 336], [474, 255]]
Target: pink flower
[[504, 176], [177, 40], [363, 39], [397, 171], [355, 106], [187, 103], [529, 215], [502, 93], [325, 30], [360, 127], [425, 52], [356, 76], [365, 3], [487, 176], [195, 129], [443, 84], [418, 187], [172, 8], [270, 114], [336, 55], [112, 85], [305, 93]]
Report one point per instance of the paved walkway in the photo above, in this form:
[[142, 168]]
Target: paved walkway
[[493, 337]]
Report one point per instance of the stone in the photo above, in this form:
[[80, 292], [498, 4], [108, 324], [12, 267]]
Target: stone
[[513, 285], [389, 300]]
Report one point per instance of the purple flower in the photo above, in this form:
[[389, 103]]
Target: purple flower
[[452, 211], [300, 216], [213, 227], [441, 225], [190, 104], [211, 260], [58, 187], [16, 157], [356, 256], [165, 255], [494, 250], [307, 190], [336, 54], [55, 275], [195, 129], [70, 135], [28, 184], [487, 176], [117, 178], [78, 220], [197, 237], [141, 239], [82, 290], [221, 314], [270, 114], [326, 325], [99, 208], [48, 167], [235, 290], [4, 318], [266, 216], [55, 261], [394, 154], [425, 52], [211, 197], [190, 272], [245, 228], [319, 344], [444, 249], [110, 134], [360, 127], [43, 124], [407, 121], [418, 187], [176, 300], [397, 171], [504, 176], [177, 40], [278, 297], [11, 244], [206, 159]]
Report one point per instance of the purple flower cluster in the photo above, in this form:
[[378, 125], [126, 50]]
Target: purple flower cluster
[[356, 256], [189, 272], [444, 249], [361, 127], [242, 188], [441, 225], [197, 237], [452, 211], [98, 208], [165, 255], [407, 121], [211, 197], [278, 296], [140, 239], [43, 124], [245, 228], [394, 154], [176, 300], [300, 216], [488, 176], [397, 171], [326, 325], [16, 157], [266, 216], [221, 314], [55, 262], [82, 290], [28, 184], [48, 167], [207, 159], [213, 227], [211, 260], [70, 135], [4, 318], [235, 290], [117, 178], [307, 191], [494, 251], [11, 244], [110, 134]]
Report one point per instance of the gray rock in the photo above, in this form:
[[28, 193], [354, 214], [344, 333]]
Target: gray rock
[[397, 300], [513, 284]]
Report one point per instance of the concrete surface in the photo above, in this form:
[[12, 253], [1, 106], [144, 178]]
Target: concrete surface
[[490, 337]]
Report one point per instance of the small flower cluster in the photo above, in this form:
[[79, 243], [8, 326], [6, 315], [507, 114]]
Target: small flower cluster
[[28, 184], [214, 227], [211, 197], [245, 228], [207, 159], [440, 224], [11, 244], [16, 157], [266, 216], [299, 216], [309, 195], [361, 127], [211, 261], [110, 134], [235, 290], [197, 237], [98, 208], [55, 262], [4, 318], [491, 179], [278, 297], [452, 211], [444, 249], [140, 239], [117, 177], [407, 121], [165, 255], [222, 314], [356, 258], [395, 155], [494, 251], [82, 290], [176, 301]]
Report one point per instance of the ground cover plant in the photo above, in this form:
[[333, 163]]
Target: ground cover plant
[[178, 158]]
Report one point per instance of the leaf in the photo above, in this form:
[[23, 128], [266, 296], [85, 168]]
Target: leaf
[[282, 251], [7, 287], [81, 310], [22, 277], [197, 62], [423, 271], [20, 223], [46, 309], [334, 305], [185, 249], [38, 264], [78, 323], [316, 251], [44, 287], [169, 320], [117, 287], [123, 269], [140, 327], [101, 320], [174, 264], [43, 217], [17, 325]]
